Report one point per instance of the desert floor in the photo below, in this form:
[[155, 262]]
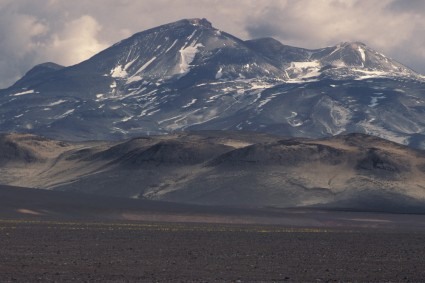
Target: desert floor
[[47, 250]]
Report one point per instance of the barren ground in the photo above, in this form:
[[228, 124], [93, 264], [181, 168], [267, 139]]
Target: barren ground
[[33, 251]]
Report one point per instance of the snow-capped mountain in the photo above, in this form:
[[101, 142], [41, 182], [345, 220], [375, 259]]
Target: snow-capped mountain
[[188, 75]]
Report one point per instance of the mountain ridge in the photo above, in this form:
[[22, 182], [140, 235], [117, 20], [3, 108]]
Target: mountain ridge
[[187, 75]]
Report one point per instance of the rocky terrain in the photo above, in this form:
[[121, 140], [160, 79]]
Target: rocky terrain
[[353, 171], [64, 236], [193, 252], [188, 75]]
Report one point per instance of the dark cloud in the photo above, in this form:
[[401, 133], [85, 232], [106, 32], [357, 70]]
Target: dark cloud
[[408, 6]]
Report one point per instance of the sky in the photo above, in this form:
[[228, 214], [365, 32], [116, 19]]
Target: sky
[[68, 32]]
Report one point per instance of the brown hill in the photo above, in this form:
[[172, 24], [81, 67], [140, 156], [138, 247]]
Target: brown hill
[[225, 168]]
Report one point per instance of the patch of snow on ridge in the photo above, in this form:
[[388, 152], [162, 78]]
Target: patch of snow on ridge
[[128, 65], [67, 113], [219, 73], [23, 93], [172, 45], [187, 55], [57, 102], [370, 74], [146, 65], [190, 103], [125, 119], [134, 78], [362, 53], [337, 48], [304, 70], [267, 100], [305, 65], [118, 72]]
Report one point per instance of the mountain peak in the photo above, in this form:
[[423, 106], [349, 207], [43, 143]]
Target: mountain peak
[[353, 44], [189, 75], [200, 22], [196, 22], [38, 72]]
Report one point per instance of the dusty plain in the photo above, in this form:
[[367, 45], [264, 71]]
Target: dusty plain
[[65, 237]]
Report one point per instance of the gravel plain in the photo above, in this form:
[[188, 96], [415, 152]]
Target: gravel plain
[[47, 251]]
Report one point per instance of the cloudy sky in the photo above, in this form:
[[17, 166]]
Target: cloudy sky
[[67, 32]]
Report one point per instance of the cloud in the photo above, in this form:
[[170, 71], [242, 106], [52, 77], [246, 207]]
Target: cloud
[[17, 45], [389, 26], [79, 38], [32, 34], [410, 6], [67, 32]]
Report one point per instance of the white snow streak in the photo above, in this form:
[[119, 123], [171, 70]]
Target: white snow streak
[[190, 103], [128, 65], [56, 102], [146, 65], [23, 93], [67, 113], [172, 45], [362, 53]]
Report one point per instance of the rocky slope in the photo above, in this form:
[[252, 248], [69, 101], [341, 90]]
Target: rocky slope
[[228, 168], [190, 75]]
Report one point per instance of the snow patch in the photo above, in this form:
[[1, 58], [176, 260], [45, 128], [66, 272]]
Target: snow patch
[[133, 79], [23, 93], [370, 74], [192, 35], [67, 113], [153, 112], [362, 53], [187, 55], [145, 65], [260, 85], [303, 70], [337, 48], [125, 119], [305, 65], [56, 102], [172, 45], [100, 96], [267, 100], [128, 65], [219, 74], [190, 103], [118, 72]]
